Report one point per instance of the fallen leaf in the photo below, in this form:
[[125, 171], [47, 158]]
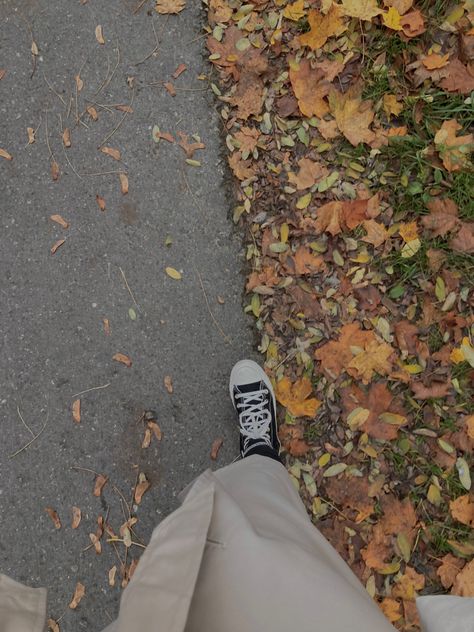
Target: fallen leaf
[[459, 78], [335, 356], [66, 136], [79, 82], [4, 154], [408, 231], [413, 23], [53, 625], [189, 147], [79, 593], [391, 609], [322, 27], [443, 217], [453, 150], [92, 112], [112, 573], [123, 183], [59, 220], [219, 11], [374, 359], [391, 105], [463, 472], [170, 89], [179, 71], [99, 35], [248, 98], [101, 202], [170, 6], [216, 446], [337, 216], [95, 540], [76, 410], [392, 19], [55, 173], [122, 107], [54, 517], [294, 11], [100, 481], [310, 87], [376, 233], [402, 6], [361, 9], [305, 262], [408, 585], [168, 383], [437, 389], [31, 135], [173, 273], [34, 48], [449, 569], [435, 60], [296, 397], [155, 428], [106, 326], [110, 151], [57, 245], [353, 116], [463, 585], [146, 439], [291, 438], [142, 486], [3, 72], [243, 169], [462, 510], [464, 240], [309, 173], [76, 517], [124, 359]]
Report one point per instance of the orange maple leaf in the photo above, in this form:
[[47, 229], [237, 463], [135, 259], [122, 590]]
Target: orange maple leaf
[[336, 355], [353, 116], [453, 150], [323, 26], [310, 172], [310, 87], [296, 397], [373, 359]]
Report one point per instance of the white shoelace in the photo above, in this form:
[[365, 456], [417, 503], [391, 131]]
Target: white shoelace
[[254, 418]]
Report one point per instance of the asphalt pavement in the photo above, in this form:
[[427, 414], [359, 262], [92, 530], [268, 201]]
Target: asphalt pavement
[[105, 291]]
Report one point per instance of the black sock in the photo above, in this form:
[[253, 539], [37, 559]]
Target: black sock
[[264, 450]]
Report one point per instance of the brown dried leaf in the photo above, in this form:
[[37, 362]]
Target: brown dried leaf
[[99, 483], [146, 439], [170, 89], [179, 70], [112, 573], [413, 23], [3, 72], [462, 510], [189, 147], [55, 170], [248, 98], [54, 517], [449, 569], [110, 151], [464, 240], [353, 116], [168, 384], [310, 172], [463, 585], [291, 438], [216, 446], [99, 34], [101, 202], [124, 359], [436, 389], [123, 183], [5, 154], [92, 112], [377, 234], [336, 355], [322, 27], [67, 137], [53, 626], [79, 593], [57, 245], [443, 217], [31, 135], [453, 150], [170, 6], [106, 326], [76, 411], [59, 220], [155, 428], [141, 488], [310, 87], [76, 517], [373, 359], [458, 78], [243, 169]]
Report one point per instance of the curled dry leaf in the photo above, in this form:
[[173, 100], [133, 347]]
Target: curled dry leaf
[[99, 35], [57, 245], [142, 486], [59, 220], [168, 383], [92, 112], [179, 71], [76, 411], [155, 428], [100, 481], [5, 154], [216, 446], [106, 326], [100, 202], [170, 89], [31, 135], [361, 9], [170, 6], [110, 151], [449, 569], [146, 439], [67, 137], [79, 593], [53, 626], [124, 359], [112, 573], [79, 82], [123, 183], [76, 517], [54, 517], [413, 23], [454, 150], [55, 172], [3, 72]]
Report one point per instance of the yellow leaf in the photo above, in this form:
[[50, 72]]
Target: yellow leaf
[[303, 201], [393, 418], [284, 232], [170, 6], [357, 418], [5, 154], [456, 356], [375, 358], [99, 35], [353, 116], [391, 19], [295, 397], [435, 61], [410, 249], [361, 9], [434, 495], [408, 231], [323, 27], [173, 273], [294, 11], [391, 105], [324, 459]]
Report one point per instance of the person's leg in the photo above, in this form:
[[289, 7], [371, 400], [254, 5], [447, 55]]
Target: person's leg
[[254, 400]]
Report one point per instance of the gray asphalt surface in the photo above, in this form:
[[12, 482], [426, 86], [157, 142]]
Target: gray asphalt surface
[[53, 306]]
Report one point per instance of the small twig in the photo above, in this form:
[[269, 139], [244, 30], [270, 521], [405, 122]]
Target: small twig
[[88, 390], [128, 288], [119, 123], [162, 83], [328, 502], [138, 7], [51, 155], [121, 540], [27, 445], [69, 106], [196, 39], [109, 79], [32, 42], [219, 328], [24, 422], [290, 355], [54, 91], [103, 173], [117, 491], [70, 164], [191, 191], [157, 41], [84, 469]]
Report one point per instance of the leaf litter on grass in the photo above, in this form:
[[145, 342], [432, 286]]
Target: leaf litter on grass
[[349, 129]]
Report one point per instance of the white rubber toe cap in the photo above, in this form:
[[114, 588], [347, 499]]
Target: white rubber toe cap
[[248, 372]]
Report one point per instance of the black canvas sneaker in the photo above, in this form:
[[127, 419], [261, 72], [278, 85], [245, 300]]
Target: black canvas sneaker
[[254, 400]]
